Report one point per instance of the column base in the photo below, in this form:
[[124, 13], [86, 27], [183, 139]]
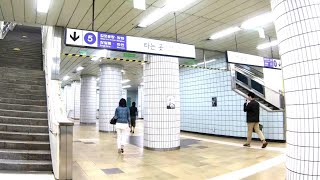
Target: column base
[[87, 124], [162, 149], [107, 131]]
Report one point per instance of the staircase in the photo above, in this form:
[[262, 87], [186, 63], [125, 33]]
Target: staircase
[[24, 137], [251, 80]]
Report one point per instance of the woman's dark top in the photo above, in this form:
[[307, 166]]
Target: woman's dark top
[[253, 110]]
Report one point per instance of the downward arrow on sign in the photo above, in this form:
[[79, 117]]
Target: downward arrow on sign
[[74, 37]]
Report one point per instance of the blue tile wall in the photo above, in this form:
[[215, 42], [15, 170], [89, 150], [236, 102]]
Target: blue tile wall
[[198, 86]]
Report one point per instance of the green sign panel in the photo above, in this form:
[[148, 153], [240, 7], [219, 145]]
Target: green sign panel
[[83, 53], [129, 55]]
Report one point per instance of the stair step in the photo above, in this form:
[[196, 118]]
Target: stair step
[[24, 121], [25, 165], [24, 145], [17, 154], [23, 84], [23, 114], [25, 91], [20, 107], [23, 101], [23, 128], [23, 96], [24, 136], [18, 71]]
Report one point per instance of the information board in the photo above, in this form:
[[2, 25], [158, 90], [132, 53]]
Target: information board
[[251, 60], [104, 40]]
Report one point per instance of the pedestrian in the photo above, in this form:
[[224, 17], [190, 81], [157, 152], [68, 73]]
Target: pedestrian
[[133, 115], [252, 108], [122, 114]]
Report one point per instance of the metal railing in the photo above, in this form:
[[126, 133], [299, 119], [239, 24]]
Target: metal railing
[[5, 27]]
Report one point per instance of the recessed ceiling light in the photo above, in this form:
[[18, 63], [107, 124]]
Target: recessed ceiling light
[[125, 81], [16, 49], [80, 68], [171, 6], [24, 36], [258, 21], [66, 78], [124, 87], [43, 6], [267, 45], [225, 32], [139, 4]]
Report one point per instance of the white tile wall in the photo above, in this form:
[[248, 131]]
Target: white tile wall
[[109, 94], [69, 100], [298, 29], [161, 125], [140, 104], [88, 99], [198, 86], [75, 86]]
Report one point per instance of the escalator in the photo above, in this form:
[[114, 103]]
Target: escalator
[[248, 79]]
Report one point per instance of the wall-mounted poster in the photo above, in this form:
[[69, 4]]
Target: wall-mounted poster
[[171, 104], [214, 102]]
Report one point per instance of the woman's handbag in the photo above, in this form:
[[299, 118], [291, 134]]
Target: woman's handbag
[[113, 120], [260, 127]]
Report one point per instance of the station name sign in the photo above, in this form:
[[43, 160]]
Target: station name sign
[[104, 40], [251, 60]]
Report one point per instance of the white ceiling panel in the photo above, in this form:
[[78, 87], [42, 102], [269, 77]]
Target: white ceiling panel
[[242, 15], [105, 14], [30, 11], [67, 11], [1, 16], [229, 9], [18, 9], [116, 16], [213, 7], [86, 21], [199, 6], [127, 19], [130, 26], [7, 11], [79, 13], [41, 18], [54, 11]]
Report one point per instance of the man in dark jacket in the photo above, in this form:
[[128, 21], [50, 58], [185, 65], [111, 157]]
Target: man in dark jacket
[[253, 109]]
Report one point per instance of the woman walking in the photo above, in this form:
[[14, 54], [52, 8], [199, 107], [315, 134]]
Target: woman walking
[[133, 114], [122, 115]]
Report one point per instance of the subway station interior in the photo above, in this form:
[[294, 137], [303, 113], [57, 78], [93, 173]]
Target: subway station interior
[[160, 89]]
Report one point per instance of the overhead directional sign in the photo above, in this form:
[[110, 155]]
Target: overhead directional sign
[[104, 40], [251, 60]]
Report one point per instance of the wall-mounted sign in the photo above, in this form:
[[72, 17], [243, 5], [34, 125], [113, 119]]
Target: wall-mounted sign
[[214, 102], [171, 104], [75, 37], [251, 60]]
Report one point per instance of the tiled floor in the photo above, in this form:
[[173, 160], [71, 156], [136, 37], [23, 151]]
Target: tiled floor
[[96, 157]]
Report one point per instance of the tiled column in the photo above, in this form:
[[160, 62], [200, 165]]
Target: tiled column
[[88, 99], [69, 100], [75, 86], [298, 29], [110, 94], [161, 123], [140, 101]]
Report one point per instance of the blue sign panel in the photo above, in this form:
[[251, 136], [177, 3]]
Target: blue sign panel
[[112, 41], [269, 63]]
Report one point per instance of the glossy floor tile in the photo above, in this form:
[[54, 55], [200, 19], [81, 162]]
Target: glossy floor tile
[[200, 157]]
